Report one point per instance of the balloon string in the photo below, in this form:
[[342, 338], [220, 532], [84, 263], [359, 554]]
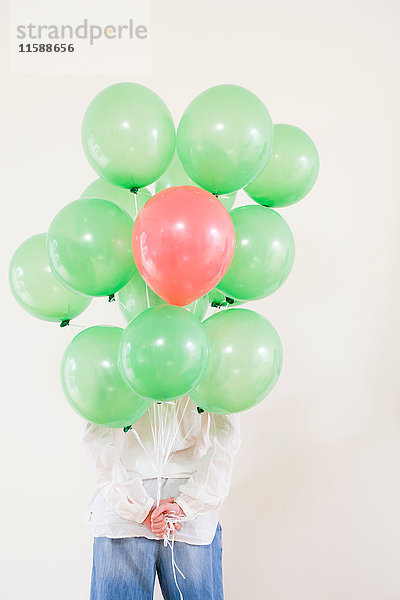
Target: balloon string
[[141, 444], [169, 450], [75, 328], [163, 415], [122, 304], [79, 325], [170, 542], [147, 296]]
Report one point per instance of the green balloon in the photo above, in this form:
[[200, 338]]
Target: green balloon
[[133, 299], [35, 287], [163, 352], [245, 361], [291, 172], [176, 175], [263, 257], [225, 138], [92, 382], [125, 199], [89, 247], [173, 176], [128, 135]]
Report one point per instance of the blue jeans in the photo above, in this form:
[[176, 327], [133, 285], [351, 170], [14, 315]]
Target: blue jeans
[[125, 569]]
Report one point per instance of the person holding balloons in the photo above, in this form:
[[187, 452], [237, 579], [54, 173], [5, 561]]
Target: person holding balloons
[[129, 528], [162, 355], [161, 397]]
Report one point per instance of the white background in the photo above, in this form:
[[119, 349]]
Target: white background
[[313, 512]]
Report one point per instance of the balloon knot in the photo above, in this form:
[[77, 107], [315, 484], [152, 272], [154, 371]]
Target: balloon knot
[[64, 323], [127, 428], [216, 195], [134, 190], [218, 304], [229, 300], [111, 298], [200, 410]]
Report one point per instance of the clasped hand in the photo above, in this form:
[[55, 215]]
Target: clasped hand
[[156, 520]]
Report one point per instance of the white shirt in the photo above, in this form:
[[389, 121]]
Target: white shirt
[[198, 472]]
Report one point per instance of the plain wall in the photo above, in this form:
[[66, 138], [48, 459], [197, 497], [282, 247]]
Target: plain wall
[[313, 512]]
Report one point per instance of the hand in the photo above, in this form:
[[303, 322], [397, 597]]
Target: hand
[[147, 521], [166, 508]]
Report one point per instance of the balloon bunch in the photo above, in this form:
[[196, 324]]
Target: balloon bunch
[[171, 254]]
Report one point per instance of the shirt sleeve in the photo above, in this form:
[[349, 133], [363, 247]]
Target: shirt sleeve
[[208, 487], [123, 491]]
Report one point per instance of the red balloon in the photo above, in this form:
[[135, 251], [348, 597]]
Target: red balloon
[[183, 242]]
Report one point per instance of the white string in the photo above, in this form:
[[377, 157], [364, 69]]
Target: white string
[[163, 434], [143, 447], [183, 439], [174, 565], [177, 429], [122, 304], [74, 329], [194, 307], [72, 333], [147, 295]]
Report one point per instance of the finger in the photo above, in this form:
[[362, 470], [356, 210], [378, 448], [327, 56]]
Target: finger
[[165, 507], [158, 519], [161, 520], [173, 512], [158, 530], [159, 523], [156, 513], [175, 523]]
